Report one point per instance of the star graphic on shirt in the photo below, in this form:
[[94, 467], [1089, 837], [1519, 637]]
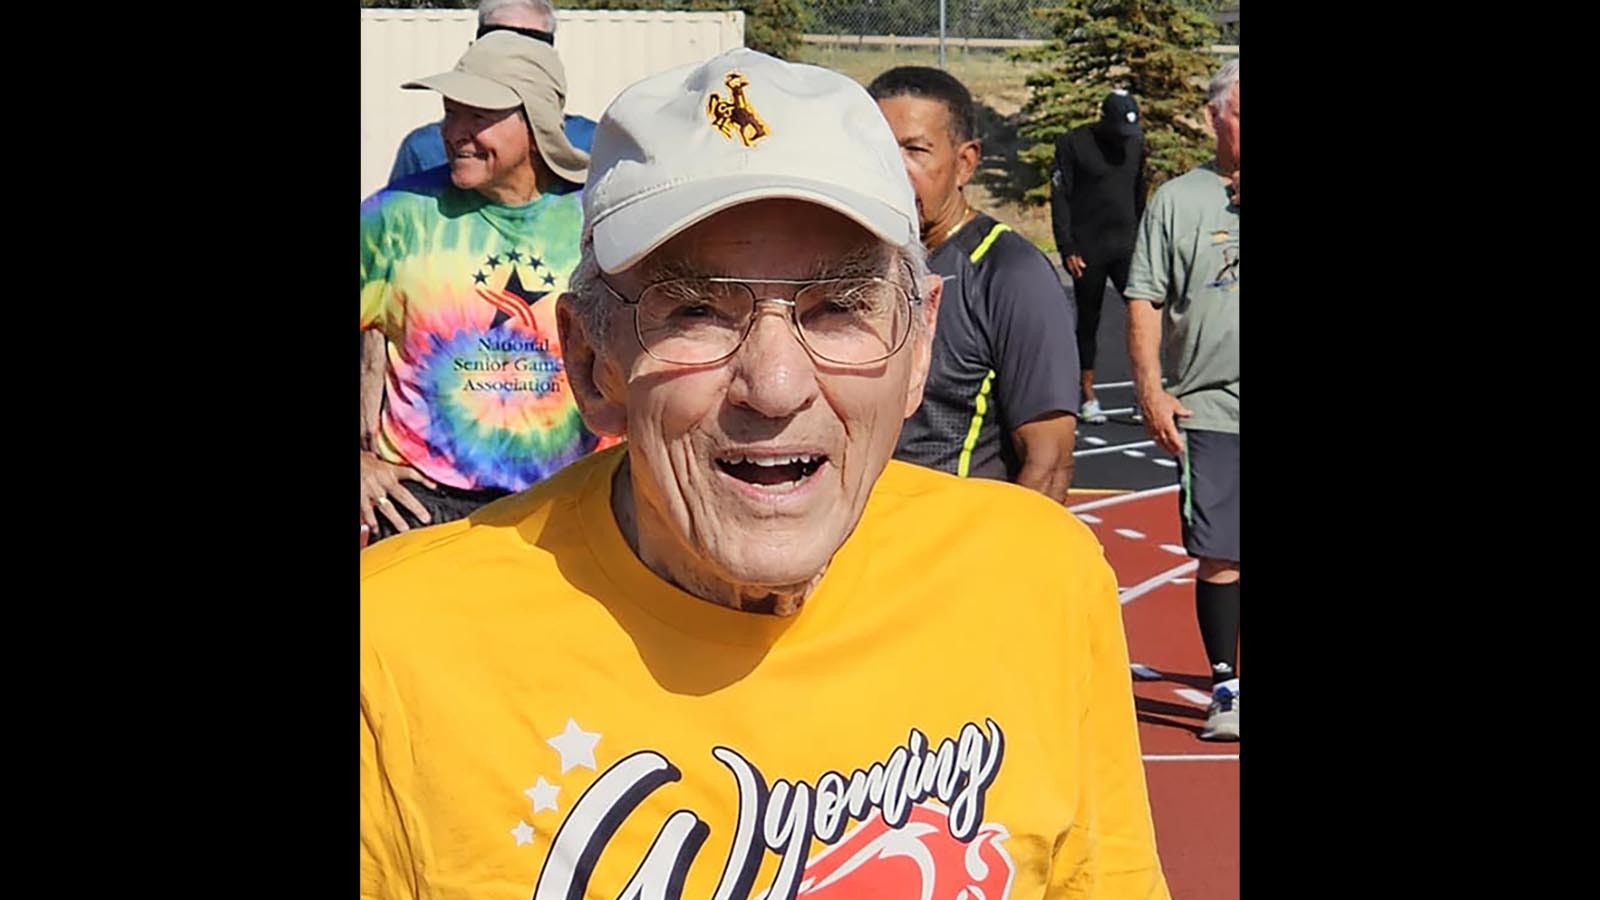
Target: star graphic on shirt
[[492, 262], [479, 278], [543, 795], [513, 255], [535, 262], [549, 279], [576, 747], [514, 286], [523, 833]]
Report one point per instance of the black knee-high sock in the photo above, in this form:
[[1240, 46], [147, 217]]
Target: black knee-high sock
[[1217, 608]]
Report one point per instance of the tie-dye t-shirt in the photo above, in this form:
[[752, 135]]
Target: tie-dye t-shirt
[[465, 290]]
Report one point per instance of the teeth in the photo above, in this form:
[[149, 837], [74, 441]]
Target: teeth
[[770, 461]]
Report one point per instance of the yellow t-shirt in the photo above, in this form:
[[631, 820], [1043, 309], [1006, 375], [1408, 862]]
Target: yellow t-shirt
[[542, 717]]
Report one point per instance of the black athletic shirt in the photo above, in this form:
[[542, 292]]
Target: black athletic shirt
[[1096, 195], [1004, 353]]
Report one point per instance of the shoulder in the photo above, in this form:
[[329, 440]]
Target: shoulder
[[1011, 265], [1195, 183], [403, 575], [1001, 524], [422, 133], [414, 194]]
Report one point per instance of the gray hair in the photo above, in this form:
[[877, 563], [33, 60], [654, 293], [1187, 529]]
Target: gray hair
[[1222, 87], [595, 304], [497, 10]]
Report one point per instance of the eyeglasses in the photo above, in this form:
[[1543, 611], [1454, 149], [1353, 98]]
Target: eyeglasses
[[701, 321], [534, 33]]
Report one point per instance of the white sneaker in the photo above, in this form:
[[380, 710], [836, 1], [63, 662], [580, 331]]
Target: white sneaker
[[1222, 718], [1092, 414]]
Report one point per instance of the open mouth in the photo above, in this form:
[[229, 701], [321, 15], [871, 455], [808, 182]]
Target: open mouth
[[772, 471]]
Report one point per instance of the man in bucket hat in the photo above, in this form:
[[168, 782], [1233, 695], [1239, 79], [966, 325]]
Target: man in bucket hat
[[747, 654], [423, 148], [460, 269]]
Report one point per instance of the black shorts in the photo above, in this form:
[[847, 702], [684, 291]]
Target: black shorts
[[1208, 495]]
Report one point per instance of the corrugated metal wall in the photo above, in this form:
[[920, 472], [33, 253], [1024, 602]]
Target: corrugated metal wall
[[604, 51]]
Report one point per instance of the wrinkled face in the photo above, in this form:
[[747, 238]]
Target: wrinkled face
[[1226, 126], [939, 166], [759, 466], [488, 148]]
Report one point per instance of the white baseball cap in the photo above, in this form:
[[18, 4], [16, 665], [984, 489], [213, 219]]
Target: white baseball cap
[[676, 148]]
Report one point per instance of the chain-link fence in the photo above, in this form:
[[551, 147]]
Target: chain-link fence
[[963, 18]]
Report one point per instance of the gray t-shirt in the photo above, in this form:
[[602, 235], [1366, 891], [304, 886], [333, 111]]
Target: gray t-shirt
[[1003, 354], [1186, 262]]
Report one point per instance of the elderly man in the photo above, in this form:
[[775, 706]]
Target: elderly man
[[424, 149], [1185, 276], [460, 270], [746, 654]]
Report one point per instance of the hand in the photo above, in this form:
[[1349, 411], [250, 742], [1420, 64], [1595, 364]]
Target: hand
[[1075, 265], [381, 490], [1161, 412], [1235, 186]]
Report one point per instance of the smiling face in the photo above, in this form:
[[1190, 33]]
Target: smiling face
[[751, 472], [489, 149]]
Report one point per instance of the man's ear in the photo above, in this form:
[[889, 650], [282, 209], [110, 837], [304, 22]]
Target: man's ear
[[922, 350], [968, 156], [595, 382]]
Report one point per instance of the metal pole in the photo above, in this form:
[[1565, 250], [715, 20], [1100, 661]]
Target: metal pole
[[941, 33]]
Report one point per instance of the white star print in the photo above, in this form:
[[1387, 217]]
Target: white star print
[[543, 795], [523, 833], [576, 747]]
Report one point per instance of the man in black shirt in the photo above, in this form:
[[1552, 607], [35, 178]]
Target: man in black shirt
[[1096, 199], [1002, 394]]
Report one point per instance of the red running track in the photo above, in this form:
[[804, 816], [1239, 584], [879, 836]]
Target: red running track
[[1194, 795]]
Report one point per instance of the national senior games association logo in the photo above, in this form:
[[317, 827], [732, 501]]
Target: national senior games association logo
[[499, 282]]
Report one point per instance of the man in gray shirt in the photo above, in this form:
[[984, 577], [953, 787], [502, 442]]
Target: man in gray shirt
[[1185, 276]]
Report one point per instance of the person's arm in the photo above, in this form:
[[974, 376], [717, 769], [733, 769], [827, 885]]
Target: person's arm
[[1061, 200], [1032, 331], [1150, 280], [1045, 445], [1159, 408], [374, 365], [1141, 182], [380, 479]]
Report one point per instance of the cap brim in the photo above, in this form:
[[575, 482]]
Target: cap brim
[[468, 89], [629, 233]]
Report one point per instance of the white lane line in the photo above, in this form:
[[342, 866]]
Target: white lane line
[[1122, 498], [1114, 448], [1150, 584]]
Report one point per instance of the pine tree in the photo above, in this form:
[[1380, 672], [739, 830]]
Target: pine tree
[[1154, 49]]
